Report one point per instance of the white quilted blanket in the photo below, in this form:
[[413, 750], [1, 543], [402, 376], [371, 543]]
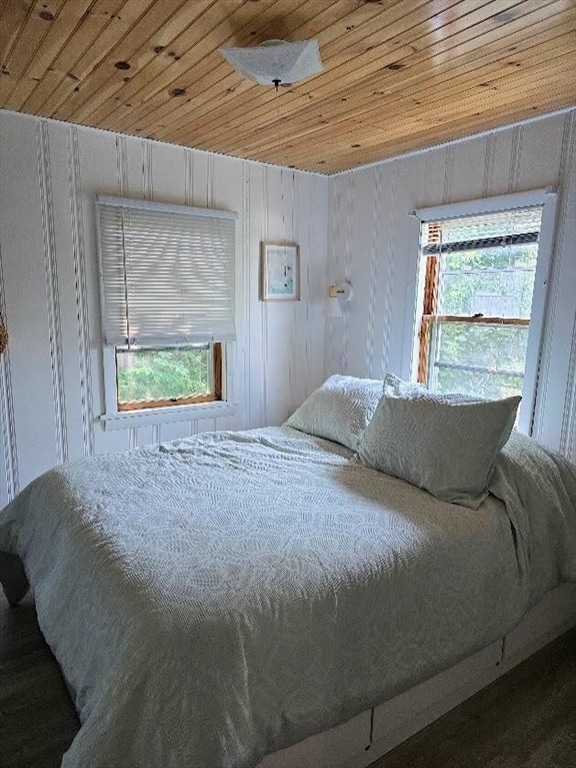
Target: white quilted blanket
[[219, 598]]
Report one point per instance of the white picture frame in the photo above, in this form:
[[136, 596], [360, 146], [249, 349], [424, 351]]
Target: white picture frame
[[280, 272]]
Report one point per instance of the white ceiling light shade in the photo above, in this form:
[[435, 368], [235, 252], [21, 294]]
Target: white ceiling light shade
[[276, 62]]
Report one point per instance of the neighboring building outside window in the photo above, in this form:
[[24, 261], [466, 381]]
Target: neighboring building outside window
[[482, 296]]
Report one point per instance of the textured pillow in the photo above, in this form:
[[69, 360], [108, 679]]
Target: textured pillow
[[447, 444], [394, 385], [339, 410]]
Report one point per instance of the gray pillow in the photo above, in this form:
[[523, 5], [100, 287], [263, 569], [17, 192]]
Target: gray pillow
[[447, 444], [339, 410]]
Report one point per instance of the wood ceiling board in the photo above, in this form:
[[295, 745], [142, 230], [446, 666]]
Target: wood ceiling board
[[90, 58], [73, 65], [392, 126], [420, 79], [13, 16], [374, 137], [402, 38], [429, 46], [191, 75], [357, 111], [516, 84], [34, 27], [457, 129], [209, 31], [438, 88], [57, 37], [95, 87], [217, 77], [257, 104]]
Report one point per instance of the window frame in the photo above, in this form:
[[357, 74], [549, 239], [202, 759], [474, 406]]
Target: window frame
[[547, 198], [169, 402], [113, 418], [160, 412]]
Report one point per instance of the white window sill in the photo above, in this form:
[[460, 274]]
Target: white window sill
[[167, 415]]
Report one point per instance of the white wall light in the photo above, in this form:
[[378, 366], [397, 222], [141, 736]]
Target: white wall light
[[338, 295]]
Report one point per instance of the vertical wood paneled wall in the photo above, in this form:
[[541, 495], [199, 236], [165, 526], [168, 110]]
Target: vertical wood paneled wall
[[372, 237], [51, 381], [353, 226]]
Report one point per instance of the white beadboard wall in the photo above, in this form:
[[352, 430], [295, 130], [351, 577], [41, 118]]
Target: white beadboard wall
[[354, 226], [51, 381], [372, 237]]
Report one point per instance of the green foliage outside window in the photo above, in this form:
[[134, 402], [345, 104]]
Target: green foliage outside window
[[480, 281], [163, 374], [483, 359], [492, 359]]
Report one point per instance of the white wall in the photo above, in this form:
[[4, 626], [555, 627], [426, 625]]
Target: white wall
[[51, 393], [372, 237]]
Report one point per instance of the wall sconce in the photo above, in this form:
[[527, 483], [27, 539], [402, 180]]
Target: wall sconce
[[338, 295]]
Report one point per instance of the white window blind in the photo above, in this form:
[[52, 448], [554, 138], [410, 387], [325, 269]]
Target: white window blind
[[167, 273]]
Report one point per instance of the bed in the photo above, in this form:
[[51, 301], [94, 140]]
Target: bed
[[217, 599]]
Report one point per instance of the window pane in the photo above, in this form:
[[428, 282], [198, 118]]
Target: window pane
[[163, 374], [478, 359], [498, 282], [487, 385]]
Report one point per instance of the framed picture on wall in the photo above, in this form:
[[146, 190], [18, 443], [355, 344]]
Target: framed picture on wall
[[280, 272]]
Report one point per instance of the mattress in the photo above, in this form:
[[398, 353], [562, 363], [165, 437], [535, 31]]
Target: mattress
[[216, 599]]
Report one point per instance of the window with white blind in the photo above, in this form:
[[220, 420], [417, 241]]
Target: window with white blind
[[484, 270], [167, 280]]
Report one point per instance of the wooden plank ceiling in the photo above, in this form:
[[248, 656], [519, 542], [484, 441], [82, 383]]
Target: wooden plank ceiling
[[399, 74]]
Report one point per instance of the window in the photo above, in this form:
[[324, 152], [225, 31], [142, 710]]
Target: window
[[155, 378], [167, 289], [482, 297]]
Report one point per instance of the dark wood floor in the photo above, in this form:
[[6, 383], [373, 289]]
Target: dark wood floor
[[527, 719]]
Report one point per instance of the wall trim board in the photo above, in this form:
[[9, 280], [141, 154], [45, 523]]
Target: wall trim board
[[373, 279], [7, 407], [489, 158], [79, 255], [545, 373], [389, 271], [515, 157], [568, 431], [52, 289], [122, 185], [568, 165]]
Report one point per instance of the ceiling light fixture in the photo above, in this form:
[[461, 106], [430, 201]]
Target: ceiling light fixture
[[276, 62]]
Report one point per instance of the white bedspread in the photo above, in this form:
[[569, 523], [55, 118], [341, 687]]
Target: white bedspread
[[219, 598]]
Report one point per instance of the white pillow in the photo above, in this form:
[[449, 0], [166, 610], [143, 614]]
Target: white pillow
[[339, 410], [447, 444], [394, 385]]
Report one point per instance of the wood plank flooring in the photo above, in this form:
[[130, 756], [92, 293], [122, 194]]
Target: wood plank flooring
[[527, 719]]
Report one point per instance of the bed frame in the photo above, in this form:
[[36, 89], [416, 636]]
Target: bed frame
[[362, 740]]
